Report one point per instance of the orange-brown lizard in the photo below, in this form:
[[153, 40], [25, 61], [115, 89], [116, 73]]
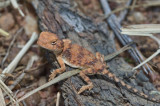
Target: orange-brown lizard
[[79, 57]]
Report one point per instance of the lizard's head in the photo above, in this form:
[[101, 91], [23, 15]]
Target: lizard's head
[[51, 42]]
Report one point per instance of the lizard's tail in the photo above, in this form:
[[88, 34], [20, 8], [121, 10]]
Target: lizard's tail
[[110, 75]]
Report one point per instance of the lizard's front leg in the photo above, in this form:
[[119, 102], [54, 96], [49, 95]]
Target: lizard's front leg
[[83, 74], [60, 70]]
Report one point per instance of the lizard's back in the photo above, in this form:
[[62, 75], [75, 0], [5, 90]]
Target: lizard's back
[[79, 57]]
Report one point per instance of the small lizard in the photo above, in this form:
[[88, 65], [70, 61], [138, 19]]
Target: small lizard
[[79, 57]]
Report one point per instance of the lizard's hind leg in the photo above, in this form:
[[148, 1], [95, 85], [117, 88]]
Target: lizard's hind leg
[[83, 74]]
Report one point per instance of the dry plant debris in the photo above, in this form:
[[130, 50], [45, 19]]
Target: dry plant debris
[[145, 30], [2, 102]]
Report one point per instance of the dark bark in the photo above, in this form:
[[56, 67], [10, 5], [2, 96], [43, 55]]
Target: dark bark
[[58, 17], [124, 39]]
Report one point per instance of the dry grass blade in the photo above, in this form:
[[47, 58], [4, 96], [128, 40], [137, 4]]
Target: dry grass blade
[[29, 65], [16, 60], [4, 33], [156, 3], [10, 46], [16, 6], [144, 30], [2, 102], [58, 98], [148, 59], [57, 79], [110, 56], [141, 30], [133, 4], [7, 91], [4, 4]]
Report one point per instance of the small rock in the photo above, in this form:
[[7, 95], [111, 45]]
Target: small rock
[[33, 100], [30, 24], [7, 21], [42, 81], [138, 17]]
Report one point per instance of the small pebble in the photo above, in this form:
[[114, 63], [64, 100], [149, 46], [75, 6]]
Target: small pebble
[[7, 22]]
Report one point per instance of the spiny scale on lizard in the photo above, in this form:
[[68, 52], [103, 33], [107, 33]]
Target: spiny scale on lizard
[[79, 57]]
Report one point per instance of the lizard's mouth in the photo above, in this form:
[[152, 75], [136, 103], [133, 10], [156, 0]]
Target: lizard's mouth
[[57, 51]]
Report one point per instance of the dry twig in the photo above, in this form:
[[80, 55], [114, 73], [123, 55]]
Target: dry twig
[[10, 46], [4, 33], [124, 39], [14, 63], [130, 7], [29, 65], [7, 91], [4, 4], [16, 6], [133, 4], [55, 80], [144, 30], [2, 102], [58, 99]]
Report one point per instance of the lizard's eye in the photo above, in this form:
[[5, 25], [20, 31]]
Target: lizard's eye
[[53, 43]]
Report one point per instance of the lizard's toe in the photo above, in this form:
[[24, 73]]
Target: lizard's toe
[[83, 88], [52, 76]]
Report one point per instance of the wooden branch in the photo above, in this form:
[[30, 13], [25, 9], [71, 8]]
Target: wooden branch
[[10, 68], [2, 102], [124, 39]]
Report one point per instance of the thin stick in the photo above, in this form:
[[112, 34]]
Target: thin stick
[[7, 90], [4, 33], [148, 59], [16, 60], [110, 56], [135, 6], [16, 6], [4, 4], [4, 86], [124, 13], [29, 65], [2, 102], [143, 30], [10, 46], [57, 79], [156, 39], [58, 99], [124, 39], [152, 56]]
